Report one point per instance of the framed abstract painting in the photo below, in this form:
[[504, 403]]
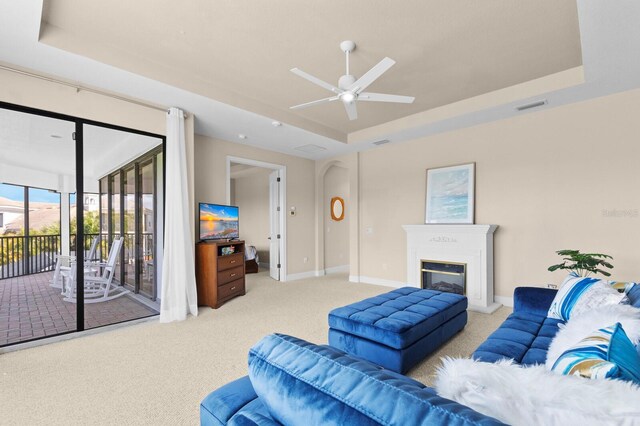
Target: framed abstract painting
[[451, 194]]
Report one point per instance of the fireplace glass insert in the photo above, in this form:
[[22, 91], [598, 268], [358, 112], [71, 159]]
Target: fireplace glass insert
[[450, 277]]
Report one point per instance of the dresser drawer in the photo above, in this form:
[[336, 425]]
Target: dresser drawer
[[230, 261], [230, 275], [231, 289]]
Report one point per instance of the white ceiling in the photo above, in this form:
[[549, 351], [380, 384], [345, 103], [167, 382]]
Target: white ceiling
[[610, 45]]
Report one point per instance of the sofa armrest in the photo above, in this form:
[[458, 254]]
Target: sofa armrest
[[220, 405], [534, 300]]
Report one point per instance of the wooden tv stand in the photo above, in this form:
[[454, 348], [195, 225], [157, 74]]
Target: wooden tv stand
[[219, 277]]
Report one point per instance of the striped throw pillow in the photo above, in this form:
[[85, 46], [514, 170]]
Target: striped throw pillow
[[581, 294], [605, 354]]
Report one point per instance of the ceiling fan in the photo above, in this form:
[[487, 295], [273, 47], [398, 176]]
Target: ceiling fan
[[350, 90]]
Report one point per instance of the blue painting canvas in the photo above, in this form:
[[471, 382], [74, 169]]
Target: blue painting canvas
[[450, 194]]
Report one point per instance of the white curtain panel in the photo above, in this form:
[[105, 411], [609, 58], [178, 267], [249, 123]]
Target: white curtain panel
[[178, 295]]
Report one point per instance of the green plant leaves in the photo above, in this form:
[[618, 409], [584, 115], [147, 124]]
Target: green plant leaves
[[583, 263]]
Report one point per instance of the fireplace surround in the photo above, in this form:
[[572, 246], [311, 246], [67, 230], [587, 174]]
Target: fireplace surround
[[471, 245]]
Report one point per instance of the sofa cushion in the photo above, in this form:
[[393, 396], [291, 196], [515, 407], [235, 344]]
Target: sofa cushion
[[398, 318], [606, 353], [305, 384], [523, 337], [232, 399]]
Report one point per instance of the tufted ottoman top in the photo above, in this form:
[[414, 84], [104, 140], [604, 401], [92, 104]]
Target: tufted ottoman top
[[398, 318]]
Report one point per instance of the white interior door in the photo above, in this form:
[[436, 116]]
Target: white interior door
[[274, 220]]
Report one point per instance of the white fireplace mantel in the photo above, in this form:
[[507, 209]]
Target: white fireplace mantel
[[469, 244]]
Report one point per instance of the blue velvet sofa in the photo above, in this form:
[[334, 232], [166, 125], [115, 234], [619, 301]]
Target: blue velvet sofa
[[293, 382], [526, 334]]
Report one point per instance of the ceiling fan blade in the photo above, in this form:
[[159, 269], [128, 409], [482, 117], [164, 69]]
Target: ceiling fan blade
[[372, 75], [383, 97], [312, 103], [315, 80], [352, 112]]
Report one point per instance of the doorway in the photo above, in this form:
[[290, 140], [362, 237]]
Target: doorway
[[259, 191]]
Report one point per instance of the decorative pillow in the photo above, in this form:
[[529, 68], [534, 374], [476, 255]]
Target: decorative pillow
[[581, 294], [606, 354], [519, 395], [581, 326]]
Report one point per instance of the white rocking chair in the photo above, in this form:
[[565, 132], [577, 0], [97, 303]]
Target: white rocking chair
[[63, 265], [98, 288]]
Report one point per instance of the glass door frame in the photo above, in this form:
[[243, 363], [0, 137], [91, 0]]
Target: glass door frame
[[78, 137]]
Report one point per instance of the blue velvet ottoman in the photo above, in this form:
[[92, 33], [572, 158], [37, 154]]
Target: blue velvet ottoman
[[398, 329]]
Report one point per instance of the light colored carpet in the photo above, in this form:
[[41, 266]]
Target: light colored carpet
[[155, 373]]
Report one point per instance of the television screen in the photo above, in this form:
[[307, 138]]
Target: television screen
[[218, 222]]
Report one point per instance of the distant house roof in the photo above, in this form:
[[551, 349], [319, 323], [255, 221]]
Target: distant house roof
[[40, 214]]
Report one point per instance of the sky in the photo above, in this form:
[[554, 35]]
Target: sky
[[16, 193]]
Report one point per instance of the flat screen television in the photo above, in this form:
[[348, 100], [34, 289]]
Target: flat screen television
[[218, 222]]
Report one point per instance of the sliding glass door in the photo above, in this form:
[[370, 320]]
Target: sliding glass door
[[128, 184], [37, 176], [72, 192]]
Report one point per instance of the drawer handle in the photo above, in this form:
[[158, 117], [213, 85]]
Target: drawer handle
[[233, 275], [233, 261], [233, 288]]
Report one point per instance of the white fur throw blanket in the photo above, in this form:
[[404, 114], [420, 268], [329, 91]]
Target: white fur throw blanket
[[534, 396], [581, 326]]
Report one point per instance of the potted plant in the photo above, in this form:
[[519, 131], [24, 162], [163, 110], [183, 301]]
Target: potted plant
[[583, 264]]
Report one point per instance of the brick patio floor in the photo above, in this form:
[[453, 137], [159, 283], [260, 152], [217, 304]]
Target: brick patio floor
[[31, 308]]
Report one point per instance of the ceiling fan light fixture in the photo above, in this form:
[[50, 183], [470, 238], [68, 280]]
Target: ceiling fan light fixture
[[351, 89], [347, 97]]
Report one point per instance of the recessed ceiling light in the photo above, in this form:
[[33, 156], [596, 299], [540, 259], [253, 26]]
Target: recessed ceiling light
[[276, 123], [242, 136], [56, 136], [311, 149]]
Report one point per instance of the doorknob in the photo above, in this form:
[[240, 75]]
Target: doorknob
[[269, 237]]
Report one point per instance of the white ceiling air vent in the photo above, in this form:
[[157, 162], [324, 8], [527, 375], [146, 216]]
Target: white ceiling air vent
[[382, 142], [532, 105], [310, 149]]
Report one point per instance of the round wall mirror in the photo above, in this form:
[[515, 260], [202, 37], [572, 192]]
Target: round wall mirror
[[337, 208]]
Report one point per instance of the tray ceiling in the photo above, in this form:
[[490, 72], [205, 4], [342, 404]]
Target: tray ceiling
[[239, 52]]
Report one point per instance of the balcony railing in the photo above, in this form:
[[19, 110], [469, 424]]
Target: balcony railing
[[39, 255]]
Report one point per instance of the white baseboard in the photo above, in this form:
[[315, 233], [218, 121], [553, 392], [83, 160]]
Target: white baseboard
[[303, 275], [376, 281], [505, 300], [485, 309], [337, 269]]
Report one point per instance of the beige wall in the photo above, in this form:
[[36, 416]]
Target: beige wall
[[549, 179], [37, 93], [336, 233], [210, 165], [250, 193]]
